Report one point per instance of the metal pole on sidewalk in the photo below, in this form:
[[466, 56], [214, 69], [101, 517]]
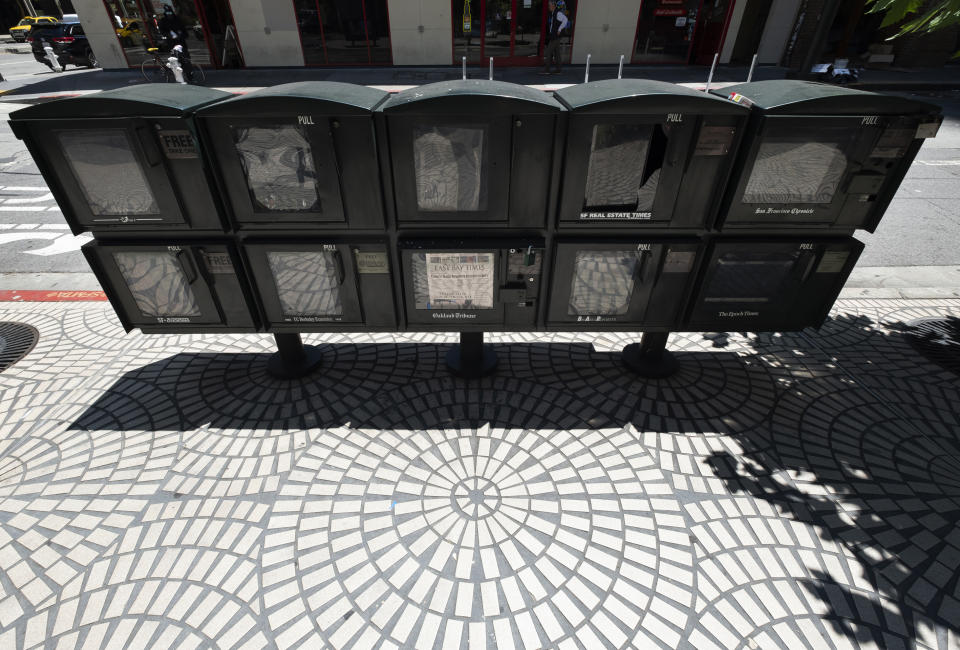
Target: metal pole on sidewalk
[[650, 357], [712, 66], [491, 68], [586, 73], [292, 359], [471, 359], [752, 66], [464, 68], [620, 71]]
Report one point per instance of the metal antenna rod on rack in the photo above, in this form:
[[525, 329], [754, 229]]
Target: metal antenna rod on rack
[[464, 68], [491, 68], [586, 73], [752, 65], [620, 71], [710, 78]]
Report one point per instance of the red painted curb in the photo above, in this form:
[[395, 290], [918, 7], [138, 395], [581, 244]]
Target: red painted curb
[[15, 295]]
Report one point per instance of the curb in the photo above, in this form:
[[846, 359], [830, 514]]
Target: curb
[[14, 295], [905, 85]]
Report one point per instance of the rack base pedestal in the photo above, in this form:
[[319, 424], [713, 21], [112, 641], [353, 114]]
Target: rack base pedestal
[[650, 357], [471, 359], [293, 359]]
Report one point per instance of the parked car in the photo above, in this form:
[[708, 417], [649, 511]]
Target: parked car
[[68, 42], [21, 30]]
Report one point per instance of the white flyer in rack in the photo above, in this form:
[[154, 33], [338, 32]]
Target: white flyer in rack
[[460, 280]]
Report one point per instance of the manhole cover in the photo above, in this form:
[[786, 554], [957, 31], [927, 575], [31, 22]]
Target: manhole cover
[[16, 341], [937, 339]]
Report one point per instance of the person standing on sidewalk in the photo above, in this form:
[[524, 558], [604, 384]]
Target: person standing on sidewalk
[[557, 24]]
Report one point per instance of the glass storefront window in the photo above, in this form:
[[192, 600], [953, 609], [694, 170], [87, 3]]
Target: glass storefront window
[[200, 26], [133, 31], [217, 17], [665, 31], [378, 31], [467, 30], [510, 31], [311, 32], [344, 32]]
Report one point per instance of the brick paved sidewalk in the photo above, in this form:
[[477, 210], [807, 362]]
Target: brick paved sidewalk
[[794, 491]]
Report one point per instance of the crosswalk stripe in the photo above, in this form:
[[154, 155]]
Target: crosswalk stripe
[[29, 199], [34, 226]]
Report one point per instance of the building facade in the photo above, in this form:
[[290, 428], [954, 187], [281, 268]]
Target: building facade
[[295, 33]]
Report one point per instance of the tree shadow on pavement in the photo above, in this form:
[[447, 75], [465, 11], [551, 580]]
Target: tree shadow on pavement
[[868, 456], [811, 424]]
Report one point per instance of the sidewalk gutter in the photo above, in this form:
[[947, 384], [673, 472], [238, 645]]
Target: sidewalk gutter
[[48, 282], [903, 282]]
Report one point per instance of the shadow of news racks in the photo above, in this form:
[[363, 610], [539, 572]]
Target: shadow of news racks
[[474, 206]]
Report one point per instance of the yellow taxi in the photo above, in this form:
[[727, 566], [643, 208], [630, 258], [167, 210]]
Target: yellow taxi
[[131, 33], [21, 30]]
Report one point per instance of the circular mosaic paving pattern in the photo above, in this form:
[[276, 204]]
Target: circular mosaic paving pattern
[[235, 390], [713, 390], [415, 538], [937, 339], [874, 343], [852, 441]]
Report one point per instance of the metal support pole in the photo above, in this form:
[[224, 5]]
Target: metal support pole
[[650, 357], [293, 359], [464, 68], [753, 64], [620, 71], [471, 359], [710, 78], [586, 73], [491, 68]]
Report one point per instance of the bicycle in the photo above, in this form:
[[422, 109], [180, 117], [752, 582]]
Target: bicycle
[[157, 70]]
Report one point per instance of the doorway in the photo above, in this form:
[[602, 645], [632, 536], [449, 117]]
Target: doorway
[[510, 31], [713, 18], [680, 32]]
